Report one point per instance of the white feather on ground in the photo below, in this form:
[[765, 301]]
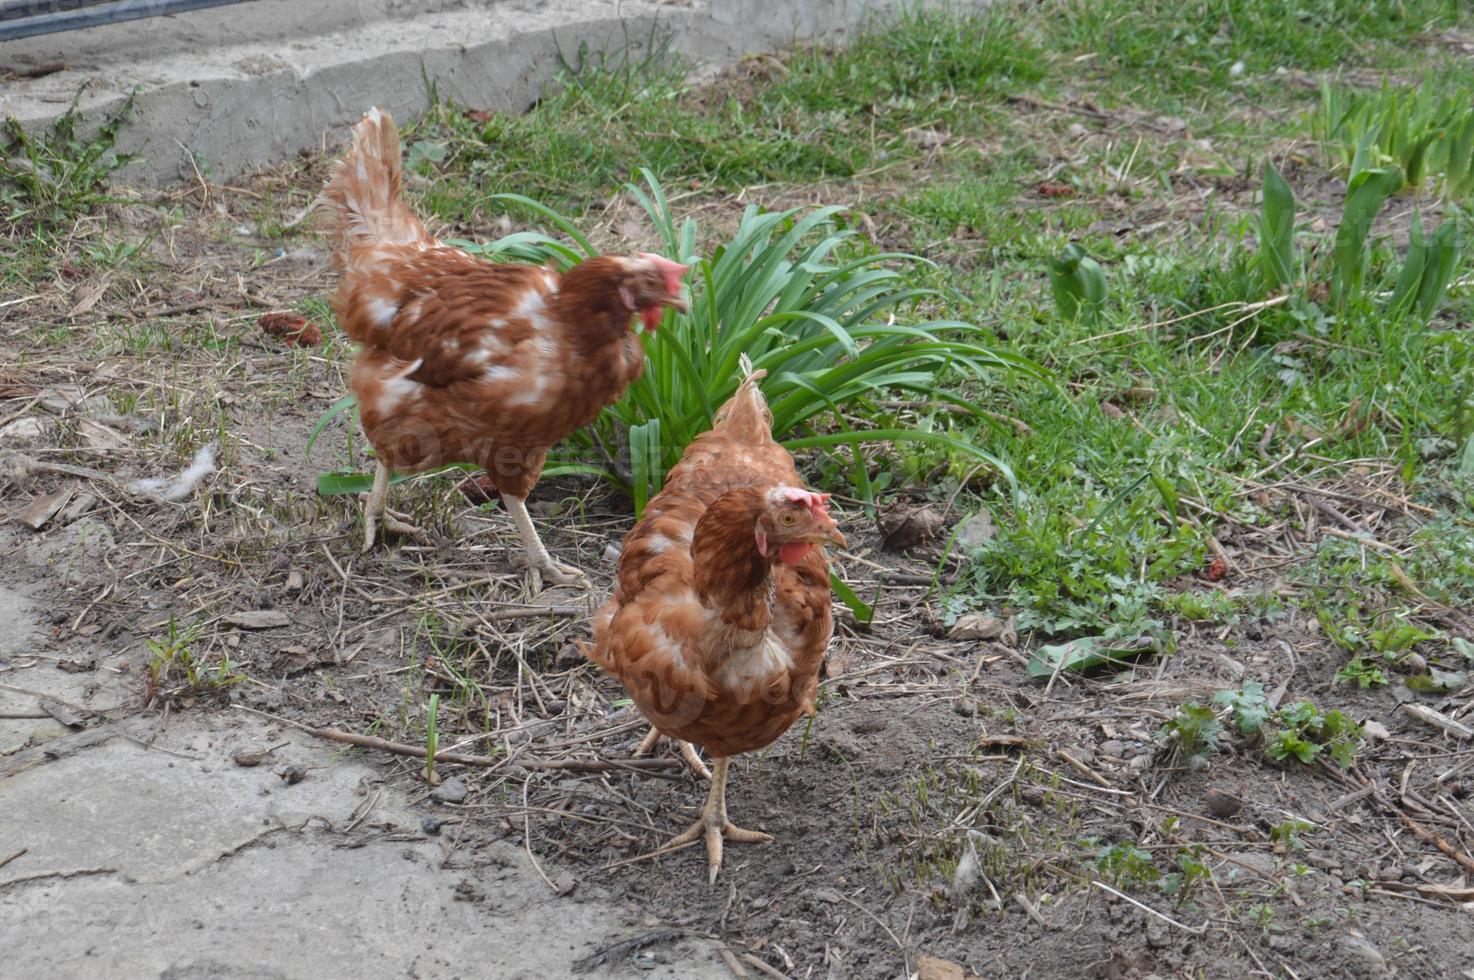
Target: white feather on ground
[[181, 486]]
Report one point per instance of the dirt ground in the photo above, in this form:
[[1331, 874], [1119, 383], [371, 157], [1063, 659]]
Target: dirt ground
[[943, 815]]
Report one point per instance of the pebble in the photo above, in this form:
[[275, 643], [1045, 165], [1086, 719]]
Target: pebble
[[451, 791], [430, 825], [1114, 748]]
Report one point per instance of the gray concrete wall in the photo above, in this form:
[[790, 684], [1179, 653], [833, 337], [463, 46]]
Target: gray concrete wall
[[241, 86]]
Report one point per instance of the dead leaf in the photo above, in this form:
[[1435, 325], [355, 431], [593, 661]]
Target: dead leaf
[[978, 626], [87, 297], [259, 619], [1050, 188], [1112, 411], [479, 115], [904, 527], [976, 531], [564, 884], [38, 512]]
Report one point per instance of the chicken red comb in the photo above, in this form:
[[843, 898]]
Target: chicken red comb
[[672, 271], [817, 503]]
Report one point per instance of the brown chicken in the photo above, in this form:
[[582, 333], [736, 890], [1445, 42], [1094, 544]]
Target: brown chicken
[[721, 615], [465, 360]]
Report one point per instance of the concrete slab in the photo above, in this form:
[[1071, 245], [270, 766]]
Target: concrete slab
[[232, 88], [153, 854]]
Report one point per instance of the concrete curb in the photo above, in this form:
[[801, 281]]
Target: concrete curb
[[238, 87]]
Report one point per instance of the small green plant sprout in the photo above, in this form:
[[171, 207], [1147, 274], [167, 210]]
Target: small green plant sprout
[[1285, 837], [1427, 270], [1366, 192], [1276, 232], [1193, 732], [175, 669], [1191, 872], [1248, 707], [1079, 284], [1362, 673], [1263, 917], [432, 739], [1302, 731], [1126, 864], [1397, 637]]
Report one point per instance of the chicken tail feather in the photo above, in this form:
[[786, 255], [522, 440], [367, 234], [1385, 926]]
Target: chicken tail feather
[[364, 191], [745, 416]]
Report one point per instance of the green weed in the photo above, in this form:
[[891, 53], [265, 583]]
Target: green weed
[[49, 179]]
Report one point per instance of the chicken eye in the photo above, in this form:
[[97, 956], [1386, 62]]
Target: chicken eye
[[788, 518]]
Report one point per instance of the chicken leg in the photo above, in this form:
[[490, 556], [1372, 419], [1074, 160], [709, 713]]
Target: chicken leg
[[687, 750], [714, 825], [374, 511], [538, 558]]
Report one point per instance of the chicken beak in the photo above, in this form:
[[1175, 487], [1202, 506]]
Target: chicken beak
[[831, 535]]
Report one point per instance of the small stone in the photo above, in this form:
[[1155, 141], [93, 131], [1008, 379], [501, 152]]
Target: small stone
[[294, 580], [453, 790], [250, 758], [430, 826], [292, 775], [933, 968], [1114, 748], [1156, 935], [1356, 947]]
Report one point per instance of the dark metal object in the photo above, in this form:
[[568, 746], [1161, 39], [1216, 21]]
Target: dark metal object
[[28, 18]]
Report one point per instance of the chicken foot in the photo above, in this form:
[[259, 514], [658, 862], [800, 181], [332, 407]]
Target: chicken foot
[[687, 750], [714, 825], [374, 511], [538, 558]]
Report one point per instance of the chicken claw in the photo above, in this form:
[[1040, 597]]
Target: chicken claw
[[539, 561], [687, 750], [714, 825], [374, 512], [561, 574]]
